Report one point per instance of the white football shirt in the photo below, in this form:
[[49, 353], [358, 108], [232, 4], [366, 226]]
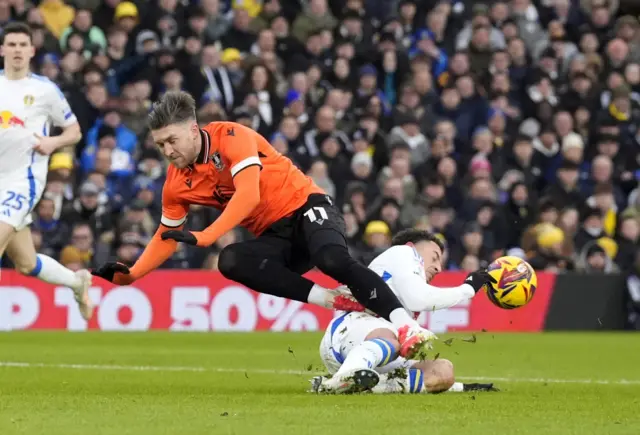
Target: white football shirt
[[402, 268], [28, 106]]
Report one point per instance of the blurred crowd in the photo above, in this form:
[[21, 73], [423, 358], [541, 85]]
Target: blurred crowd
[[506, 126]]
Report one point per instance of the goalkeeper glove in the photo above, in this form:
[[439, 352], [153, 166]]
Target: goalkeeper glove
[[109, 270], [180, 236], [479, 279]]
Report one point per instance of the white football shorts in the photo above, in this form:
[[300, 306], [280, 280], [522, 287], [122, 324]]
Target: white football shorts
[[347, 331], [18, 198]]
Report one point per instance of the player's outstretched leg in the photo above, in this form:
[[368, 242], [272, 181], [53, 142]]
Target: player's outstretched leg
[[357, 372], [258, 265], [23, 255], [426, 377]]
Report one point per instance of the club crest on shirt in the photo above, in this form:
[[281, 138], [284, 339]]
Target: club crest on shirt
[[217, 161], [29, 100]]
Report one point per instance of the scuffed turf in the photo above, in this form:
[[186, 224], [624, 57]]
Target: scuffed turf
[[246, 384]]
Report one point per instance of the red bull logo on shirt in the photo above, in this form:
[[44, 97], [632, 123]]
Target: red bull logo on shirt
[[8, 120]]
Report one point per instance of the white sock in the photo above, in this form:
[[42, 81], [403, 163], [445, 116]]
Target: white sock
[[367, 355], [49, 270], [400, 317], [318, 296], [457, 387]]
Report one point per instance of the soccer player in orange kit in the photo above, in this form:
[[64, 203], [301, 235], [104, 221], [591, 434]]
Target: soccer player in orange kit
[[232, 168]]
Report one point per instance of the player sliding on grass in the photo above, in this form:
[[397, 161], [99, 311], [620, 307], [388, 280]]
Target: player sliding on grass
[[230, 167], [360, 350], [29, 104]]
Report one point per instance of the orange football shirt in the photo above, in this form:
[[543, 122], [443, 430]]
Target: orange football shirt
[[227, 149]]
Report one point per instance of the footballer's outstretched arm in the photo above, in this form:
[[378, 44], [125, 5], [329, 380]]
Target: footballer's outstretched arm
[[157, 252], [419, 296], [415, 294]]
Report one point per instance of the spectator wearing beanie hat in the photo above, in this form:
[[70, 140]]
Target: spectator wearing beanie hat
[[592, 227], [479, 167], [72, 258], [362, 166], [81, 246], [86, 208], [125, 15], [548, 249], [129, 248], [572, 151], [363, 171], [573, 148], [621, 112], [596, 257], [377, 238]]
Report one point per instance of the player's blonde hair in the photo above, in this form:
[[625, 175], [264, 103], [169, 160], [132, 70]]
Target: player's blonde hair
[[174, 107]]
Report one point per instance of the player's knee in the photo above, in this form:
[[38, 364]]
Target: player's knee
[[27, 266], [387, 336], [440, 376], [229, 262], [333, 259]]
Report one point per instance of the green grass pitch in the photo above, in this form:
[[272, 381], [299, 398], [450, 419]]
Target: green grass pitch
[[246, 384]]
